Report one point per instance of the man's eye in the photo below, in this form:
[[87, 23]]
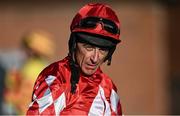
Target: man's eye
[[88, 47], [103, 50]]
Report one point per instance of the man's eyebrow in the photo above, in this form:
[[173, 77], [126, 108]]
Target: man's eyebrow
[[86, 44]]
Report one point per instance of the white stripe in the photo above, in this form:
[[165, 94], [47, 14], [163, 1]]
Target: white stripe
[[107, 111], [97, 106], [31, 104], [48, 91], [60, 103], [44, 102], [34, 96], [114, 100], [100, 105], [50, 79]]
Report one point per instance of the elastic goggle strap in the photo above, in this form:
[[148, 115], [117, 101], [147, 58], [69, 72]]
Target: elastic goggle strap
[[91, 22]]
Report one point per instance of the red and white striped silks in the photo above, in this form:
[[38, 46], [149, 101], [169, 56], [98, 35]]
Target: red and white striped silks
[[95, 95]]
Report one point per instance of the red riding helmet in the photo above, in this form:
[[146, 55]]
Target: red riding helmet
[[91, 15]]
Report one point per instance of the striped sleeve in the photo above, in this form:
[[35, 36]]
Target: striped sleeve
[[48, 97]]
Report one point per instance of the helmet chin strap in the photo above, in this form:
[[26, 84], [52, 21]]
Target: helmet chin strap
[[109, 56], [109, 61]]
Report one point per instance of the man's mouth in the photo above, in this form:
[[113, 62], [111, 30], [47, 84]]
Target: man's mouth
[[91, 66]]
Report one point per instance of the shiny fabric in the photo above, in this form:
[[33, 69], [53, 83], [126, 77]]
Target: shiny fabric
[[96, 10], [95, 95]]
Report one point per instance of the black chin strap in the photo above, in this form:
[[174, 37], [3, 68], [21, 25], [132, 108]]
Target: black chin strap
[[109, 56]]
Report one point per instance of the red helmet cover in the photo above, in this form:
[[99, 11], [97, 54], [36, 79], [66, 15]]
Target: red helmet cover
[[96, 10]]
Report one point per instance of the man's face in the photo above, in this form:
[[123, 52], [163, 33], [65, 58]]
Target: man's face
[[89, 57]]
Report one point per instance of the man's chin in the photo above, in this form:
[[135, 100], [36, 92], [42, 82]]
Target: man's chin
[[89, 72]]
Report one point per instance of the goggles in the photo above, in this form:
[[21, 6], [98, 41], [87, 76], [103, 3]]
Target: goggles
[[91, 22]]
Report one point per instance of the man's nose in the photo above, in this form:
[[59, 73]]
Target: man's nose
[[95, 56]]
